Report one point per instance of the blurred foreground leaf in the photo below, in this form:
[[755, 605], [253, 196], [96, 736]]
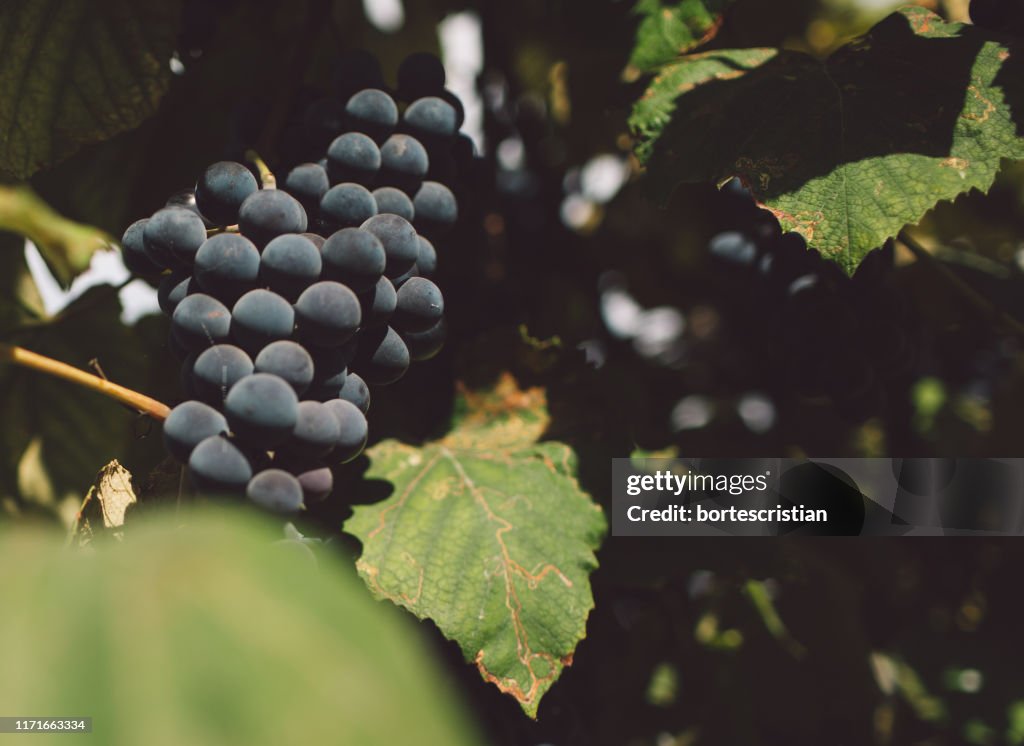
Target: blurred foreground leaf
[[212, 633], [489, 535]]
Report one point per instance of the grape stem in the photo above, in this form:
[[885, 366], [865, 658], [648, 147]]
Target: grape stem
[[222, 229], [28, 359], [267, 178], [969, 294]]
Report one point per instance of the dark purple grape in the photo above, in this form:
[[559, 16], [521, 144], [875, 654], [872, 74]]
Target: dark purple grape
[[420, 74], [262, 410], [436, 209], [333, 359], [218, 465], [426, 259], [378, 304], [355, 258], [426, 344], [317, 483], [133, 251], [399, 240], [316, 431], [275, 490], [173, 236], [353, 431], [189, 424], [330, 369], [316, 479], [290, 264], [173, 288], [356, 391], [289, 361], [432, 120], [394, 202], [403, 163], [270, 213], [200, 321], [227, 266], [372, 112], [187, 198], [222, 189], [381, 356], [327, 313], [419, 306], [308, 183], [346, 205], [259, 318], [216, 370], [353, 157], [404, 278]]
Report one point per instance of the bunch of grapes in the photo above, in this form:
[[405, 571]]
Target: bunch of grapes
[[287, 304]]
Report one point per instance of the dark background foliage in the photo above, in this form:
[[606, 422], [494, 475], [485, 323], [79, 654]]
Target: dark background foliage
[[875, 641]]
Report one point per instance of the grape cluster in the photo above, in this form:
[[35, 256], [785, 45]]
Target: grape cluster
[[287, 303], [833, 336]]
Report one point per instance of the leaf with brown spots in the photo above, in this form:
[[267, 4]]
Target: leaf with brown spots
[[669, 29], [847, 150], [488, 534]]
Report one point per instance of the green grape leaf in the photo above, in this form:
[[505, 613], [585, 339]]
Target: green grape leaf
[[208, 628], [77, 72], [488, 534], [669, 29], [849, 150]]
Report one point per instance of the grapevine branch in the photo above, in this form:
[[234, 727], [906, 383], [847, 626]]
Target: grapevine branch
[[28, 359], [972, 296], [267, 178]]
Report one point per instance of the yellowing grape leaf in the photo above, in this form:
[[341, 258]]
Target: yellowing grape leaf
[[105, 506], [488, 534]]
